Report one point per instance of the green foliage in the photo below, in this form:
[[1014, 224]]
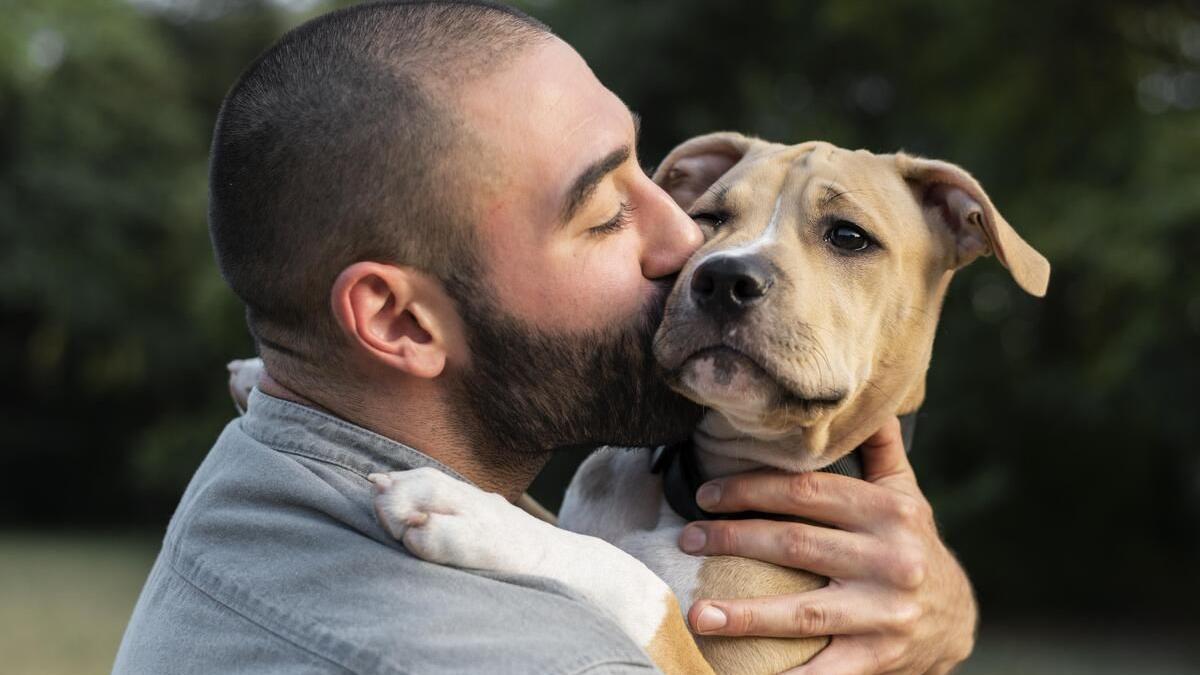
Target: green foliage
[[1058, 438]]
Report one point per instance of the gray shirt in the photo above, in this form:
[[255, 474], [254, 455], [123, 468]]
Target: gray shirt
[[274, 563]]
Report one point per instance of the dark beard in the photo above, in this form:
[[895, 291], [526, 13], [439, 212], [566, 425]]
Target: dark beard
[[530, 391]]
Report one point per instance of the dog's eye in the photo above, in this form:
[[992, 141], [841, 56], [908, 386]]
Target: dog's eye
[[848, 236], [710, 219]]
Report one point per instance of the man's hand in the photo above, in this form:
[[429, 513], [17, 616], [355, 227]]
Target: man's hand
[[897, 600]]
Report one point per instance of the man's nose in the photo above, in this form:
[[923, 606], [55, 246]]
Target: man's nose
[[726, 286], [671, 237]]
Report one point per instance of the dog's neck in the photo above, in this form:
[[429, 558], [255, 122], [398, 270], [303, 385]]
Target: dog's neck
[[721, 449], [719, 458]]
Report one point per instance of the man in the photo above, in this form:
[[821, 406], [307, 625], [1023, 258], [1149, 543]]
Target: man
[[450, 257]]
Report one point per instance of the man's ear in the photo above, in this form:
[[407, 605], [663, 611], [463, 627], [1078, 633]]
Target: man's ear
[[694, 165], [397, 316], [946, 192]]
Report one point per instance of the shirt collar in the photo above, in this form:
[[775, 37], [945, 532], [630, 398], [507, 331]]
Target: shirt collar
[[300, 430]]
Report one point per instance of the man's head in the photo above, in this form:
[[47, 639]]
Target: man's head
[[439, 199]]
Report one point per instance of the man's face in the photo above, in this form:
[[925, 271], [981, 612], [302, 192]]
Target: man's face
[[579, 248]]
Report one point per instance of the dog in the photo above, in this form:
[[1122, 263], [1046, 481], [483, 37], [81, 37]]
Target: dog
[[805, 321]]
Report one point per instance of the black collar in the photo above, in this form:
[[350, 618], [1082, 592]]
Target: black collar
[[681, 474]]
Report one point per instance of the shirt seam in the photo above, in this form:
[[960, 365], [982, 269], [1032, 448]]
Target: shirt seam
[[273, 631], [611, 664], [316, 457]]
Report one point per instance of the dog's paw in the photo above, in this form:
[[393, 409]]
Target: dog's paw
[[447, 521], [243, 376]]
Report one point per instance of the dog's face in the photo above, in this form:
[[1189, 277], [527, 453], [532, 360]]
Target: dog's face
[[810, 311]]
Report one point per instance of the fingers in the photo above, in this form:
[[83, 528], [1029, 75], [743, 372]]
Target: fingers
[[847, 503], [884, 458], [833, 610], [821, 550]]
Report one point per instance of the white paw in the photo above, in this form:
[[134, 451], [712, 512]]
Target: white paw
[[447, 521], [243, 376]]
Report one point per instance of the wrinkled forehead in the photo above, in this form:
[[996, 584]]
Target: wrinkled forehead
[[810, 176]]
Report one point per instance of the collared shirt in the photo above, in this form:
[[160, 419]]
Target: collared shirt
[[274, 563]]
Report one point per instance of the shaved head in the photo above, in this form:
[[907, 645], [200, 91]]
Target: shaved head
[[341, 144]]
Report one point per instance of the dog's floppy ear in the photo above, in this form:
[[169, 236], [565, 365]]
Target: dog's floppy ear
[[694, 165], [977, 226]]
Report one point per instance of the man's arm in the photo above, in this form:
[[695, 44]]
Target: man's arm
[[897, 600]]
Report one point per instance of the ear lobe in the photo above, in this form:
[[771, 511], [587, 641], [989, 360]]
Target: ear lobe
[[977, 227], [694, 165]]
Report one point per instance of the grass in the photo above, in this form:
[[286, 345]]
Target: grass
[[65, 600]]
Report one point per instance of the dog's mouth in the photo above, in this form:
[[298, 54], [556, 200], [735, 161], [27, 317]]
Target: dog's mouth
[[722, 377]]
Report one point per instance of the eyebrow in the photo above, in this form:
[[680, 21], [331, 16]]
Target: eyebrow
[[589, 179], [831, 195], [718, 191], [834, 193]]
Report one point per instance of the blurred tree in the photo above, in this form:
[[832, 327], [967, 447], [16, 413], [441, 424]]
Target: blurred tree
[[114, 314], [1058, 440]]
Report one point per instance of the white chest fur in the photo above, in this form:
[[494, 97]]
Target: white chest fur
[[615, 497]]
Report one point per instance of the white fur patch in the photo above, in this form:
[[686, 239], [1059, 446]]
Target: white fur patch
[[768, 236], [447, 521], [629, 511]]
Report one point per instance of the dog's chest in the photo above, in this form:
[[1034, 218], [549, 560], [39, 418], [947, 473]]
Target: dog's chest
[[615, 497]]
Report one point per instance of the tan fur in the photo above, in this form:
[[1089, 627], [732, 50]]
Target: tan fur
[[856, 327], [853, 329], [730, 577], [672, 649]]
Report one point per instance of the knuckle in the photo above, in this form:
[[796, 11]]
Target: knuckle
[[743, 619], [734, 491], [904, 617], [908, 568], [810, 620], [904, 509], [908, 511], [797, 545], [803, 488], [722, 537]]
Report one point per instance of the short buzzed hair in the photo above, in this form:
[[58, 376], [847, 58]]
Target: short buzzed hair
[[340, 144]]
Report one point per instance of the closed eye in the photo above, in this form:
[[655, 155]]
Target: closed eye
[[712, 219], [614, 224]]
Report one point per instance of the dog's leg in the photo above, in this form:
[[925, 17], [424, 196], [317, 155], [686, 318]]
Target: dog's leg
[[447, 521]]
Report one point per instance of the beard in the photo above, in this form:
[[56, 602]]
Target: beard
[[529, 391]]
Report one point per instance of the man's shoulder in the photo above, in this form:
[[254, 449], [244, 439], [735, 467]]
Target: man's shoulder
[[296, 561]]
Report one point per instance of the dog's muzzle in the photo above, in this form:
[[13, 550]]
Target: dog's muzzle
[[725, 286]]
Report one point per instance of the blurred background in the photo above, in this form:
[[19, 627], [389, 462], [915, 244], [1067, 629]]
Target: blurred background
[[1059, 439]]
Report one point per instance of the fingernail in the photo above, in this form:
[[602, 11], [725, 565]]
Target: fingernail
[[708, 495], [710, 619], [693, 539]]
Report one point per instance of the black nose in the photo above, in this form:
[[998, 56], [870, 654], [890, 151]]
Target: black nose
[[726, 285]]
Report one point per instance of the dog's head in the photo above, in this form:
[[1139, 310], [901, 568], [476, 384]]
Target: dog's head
[[810, 311]]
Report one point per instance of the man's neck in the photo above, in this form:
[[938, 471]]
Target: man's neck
[[427, 430]]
